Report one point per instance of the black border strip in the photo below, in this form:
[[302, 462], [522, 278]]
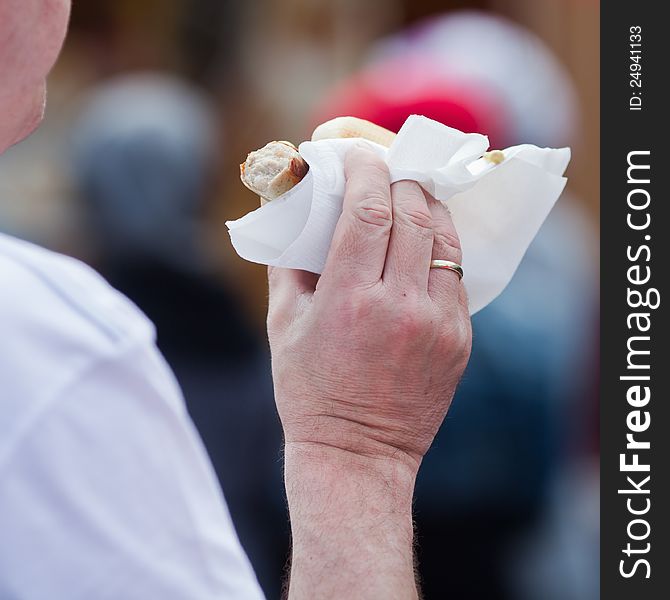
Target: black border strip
[[635, 548]]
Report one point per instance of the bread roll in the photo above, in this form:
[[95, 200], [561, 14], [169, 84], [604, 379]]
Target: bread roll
[[353, 127]]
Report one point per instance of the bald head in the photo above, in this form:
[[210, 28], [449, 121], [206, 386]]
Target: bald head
[[31, 35]]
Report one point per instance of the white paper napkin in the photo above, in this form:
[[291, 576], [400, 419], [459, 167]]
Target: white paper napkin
[[497, 209]]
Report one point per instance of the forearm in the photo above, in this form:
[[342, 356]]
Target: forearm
[[351, 522]]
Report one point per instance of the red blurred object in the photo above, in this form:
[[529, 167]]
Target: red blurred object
[[387, 93]]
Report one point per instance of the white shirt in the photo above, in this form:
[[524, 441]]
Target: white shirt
[[105, 487]]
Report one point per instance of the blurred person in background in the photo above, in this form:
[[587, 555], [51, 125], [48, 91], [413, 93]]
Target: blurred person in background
[[143, 160], [490, 479]]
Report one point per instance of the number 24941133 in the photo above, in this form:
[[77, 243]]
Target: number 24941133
[[635, 67]]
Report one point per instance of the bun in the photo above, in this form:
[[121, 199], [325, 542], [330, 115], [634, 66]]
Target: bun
[[353, 127]]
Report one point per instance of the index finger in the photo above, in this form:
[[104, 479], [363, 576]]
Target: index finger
[[358, 249]]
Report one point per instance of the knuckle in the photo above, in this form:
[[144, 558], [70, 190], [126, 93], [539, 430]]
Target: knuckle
[[448, 246], [457, 338], [409, 325], [374, 210], [413, 319], [411, 206], [349, 310], [421, 219]]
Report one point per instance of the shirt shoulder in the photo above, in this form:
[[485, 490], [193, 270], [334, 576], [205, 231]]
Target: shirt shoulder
[[107, 490], [57, 317]]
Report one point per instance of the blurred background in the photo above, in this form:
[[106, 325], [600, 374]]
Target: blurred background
[[152, 107]]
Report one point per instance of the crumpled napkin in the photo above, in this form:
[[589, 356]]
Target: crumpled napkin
[[497, 209]]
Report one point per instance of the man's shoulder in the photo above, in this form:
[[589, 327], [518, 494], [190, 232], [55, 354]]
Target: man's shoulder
[[91, 416], [56, 316]]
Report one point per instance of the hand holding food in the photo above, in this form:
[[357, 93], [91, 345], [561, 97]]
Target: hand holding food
[[498, 198]]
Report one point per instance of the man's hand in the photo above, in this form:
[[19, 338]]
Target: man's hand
[[366, 359], [369, 360]]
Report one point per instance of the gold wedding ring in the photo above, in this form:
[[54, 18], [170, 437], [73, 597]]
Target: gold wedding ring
[[447, 264]]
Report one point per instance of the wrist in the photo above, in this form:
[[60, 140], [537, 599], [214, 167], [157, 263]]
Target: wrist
[[353, 443], [354, 513], [319, 465]]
